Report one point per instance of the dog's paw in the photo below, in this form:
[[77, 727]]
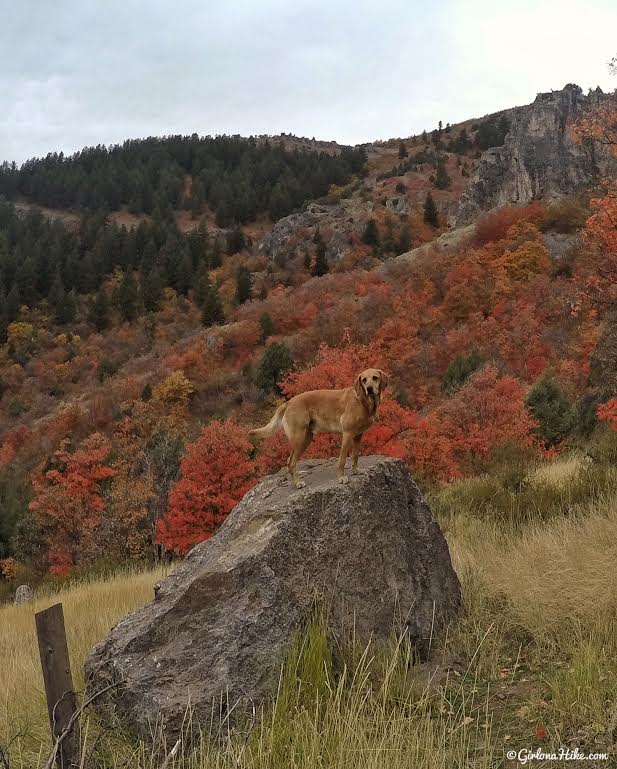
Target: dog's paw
[[343, 479], [300, 484]]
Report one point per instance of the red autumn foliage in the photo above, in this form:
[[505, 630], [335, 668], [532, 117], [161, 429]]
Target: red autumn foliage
[[68, 501], [487, 411], [215, 473], [607, 412], [495, 225]]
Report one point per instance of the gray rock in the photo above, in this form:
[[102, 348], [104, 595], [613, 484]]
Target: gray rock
[[539, 159], [24, 594], [399, 205], [220, 625], [560, 243], [293, 234]]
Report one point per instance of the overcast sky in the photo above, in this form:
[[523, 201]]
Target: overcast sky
[[82, 72]]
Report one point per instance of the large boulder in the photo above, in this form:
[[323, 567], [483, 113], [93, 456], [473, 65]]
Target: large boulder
[[220, 624]]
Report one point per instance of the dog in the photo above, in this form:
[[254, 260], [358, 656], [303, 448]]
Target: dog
[[350, 411]]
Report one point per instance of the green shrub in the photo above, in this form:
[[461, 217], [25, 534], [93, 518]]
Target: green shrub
[[461, 368], [551, 409], [16, 408], [106, 368], [275, 362]]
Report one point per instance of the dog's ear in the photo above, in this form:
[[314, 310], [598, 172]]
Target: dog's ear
[[357, 386], [385, 380]]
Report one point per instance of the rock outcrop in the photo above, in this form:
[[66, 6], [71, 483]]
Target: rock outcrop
[[219, 626], [292, 234], [540, 158]]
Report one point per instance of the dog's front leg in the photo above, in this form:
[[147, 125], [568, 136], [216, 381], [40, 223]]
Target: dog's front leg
[[345, 448], [355, 453]]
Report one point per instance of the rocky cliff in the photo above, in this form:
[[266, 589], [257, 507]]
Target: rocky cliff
[[214, 637], [540, 157]]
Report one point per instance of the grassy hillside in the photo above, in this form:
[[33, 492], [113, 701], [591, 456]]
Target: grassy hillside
[[532, 659]]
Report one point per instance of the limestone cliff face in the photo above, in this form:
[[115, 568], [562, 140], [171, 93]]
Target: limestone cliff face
[[540, 158]]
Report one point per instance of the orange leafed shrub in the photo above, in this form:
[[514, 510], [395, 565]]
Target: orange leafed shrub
[[607, 412], [494, 226], [68, 501], [487, 411], [216, 472], [8, 567]]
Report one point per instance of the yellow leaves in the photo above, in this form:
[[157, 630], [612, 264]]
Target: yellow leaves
[[20, 333], [62, 340], [529, 259], [176, 389]]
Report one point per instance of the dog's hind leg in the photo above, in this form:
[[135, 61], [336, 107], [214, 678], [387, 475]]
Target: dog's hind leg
[[298, 445]]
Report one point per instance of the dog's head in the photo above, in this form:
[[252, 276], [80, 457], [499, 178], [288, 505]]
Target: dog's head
[[371, 383]]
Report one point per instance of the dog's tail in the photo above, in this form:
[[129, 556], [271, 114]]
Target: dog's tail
[[255, 436]]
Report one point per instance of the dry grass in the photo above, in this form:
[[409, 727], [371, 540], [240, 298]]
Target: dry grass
[[90, 610], [559, 472], [537, 639]]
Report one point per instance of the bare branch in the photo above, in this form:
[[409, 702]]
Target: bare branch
[[73, 719]]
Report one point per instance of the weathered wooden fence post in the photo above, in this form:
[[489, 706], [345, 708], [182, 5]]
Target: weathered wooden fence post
[[61, 701]]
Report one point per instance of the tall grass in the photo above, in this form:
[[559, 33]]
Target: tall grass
[[535, 644]]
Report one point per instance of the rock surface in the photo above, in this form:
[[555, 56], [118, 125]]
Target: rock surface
[[219, 626], [540, 158], [293, 234], [23, 594]]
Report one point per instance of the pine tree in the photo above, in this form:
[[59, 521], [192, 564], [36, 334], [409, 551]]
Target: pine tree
[[184, 273], [56, 297], [146, 393], [128, 296], [235, 240], [13, 303], [321, 266], [389, 244], [243, 285], [99, 311], [275, 362], [216, 256], [69, 311], [370, 236], [212, 309], [267, 326], [442, 180], [4, 322], [431, 215], [404, 239], [64, 303], [152, 291], [196, 201], [25, 280], [402, 150], [552, 411]]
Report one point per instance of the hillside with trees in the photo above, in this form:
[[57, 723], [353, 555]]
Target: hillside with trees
[[130, 355], [237, 178]]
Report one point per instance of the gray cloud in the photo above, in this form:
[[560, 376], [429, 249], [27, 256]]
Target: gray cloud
[[75, 73]]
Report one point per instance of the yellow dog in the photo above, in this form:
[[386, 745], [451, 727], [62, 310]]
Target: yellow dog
[[350, 411]]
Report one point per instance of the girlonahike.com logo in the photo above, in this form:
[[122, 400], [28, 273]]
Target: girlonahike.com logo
[[526, 755]]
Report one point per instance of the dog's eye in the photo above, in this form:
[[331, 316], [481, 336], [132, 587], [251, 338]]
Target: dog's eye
[[364, 379], [374, 379]]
